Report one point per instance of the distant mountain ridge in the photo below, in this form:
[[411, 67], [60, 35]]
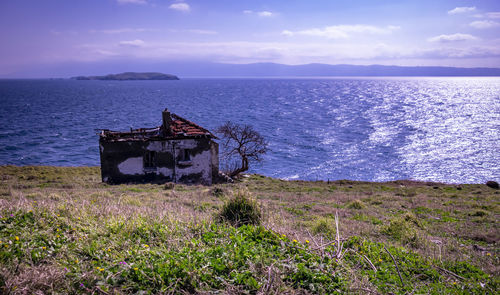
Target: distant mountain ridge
[[203, 69], [130, 76], [311, 70], [206, 69]]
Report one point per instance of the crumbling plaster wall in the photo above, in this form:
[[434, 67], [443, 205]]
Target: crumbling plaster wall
[[124, 161]]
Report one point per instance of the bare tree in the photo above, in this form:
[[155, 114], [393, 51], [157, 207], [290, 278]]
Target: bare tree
[[243, 142]]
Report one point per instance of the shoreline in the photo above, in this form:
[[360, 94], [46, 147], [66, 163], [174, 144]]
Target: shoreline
[[408, 182]]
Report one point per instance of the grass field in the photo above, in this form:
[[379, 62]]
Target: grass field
[[63, 231]]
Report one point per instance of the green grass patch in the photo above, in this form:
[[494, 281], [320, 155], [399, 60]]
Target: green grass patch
[[367, 218], [295, 211]]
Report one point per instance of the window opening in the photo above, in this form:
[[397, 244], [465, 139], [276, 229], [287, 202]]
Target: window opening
[[150, 159], [185, 155]]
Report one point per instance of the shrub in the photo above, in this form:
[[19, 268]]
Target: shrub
[[324, 226], [169, 186], [217, 192], [404, 228], [241, 209], [479, 213], [356, 204]]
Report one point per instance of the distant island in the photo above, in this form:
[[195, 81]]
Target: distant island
[[130, 76]]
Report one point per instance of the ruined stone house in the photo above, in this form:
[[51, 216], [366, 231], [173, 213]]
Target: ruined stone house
[[177, 151]]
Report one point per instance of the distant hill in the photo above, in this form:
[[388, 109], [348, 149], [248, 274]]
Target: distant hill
[[207, 69], [326, 70], [144, 70], [130, 76]]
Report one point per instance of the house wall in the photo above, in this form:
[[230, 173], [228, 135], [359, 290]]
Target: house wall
[[123, 161]]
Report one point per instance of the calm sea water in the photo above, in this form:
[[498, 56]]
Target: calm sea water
[[378, 129]]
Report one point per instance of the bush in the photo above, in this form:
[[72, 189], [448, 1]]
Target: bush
[[405, 229], [240, 210], [479, 213], [218, 192], [169, 186], [356, 204], [324, 226]]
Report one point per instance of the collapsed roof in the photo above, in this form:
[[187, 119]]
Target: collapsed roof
[[173, 127]]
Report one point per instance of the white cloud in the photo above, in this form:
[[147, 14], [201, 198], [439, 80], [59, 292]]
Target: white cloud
[[132, 1], [202, 32], [139, 30], [65, 32], [295, 52], [106, 52], [120, 31], [493, 14], [184, 7], [265, 13], [452, 38], [459, 10], [132, 43], [342, 31], [453, 52], [484, 24]]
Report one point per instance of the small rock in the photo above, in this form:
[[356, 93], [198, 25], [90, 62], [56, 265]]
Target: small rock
[[478, 248], [168, 186], [492, 184], [437, 242]]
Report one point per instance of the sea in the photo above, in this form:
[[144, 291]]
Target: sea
[[443, 129]]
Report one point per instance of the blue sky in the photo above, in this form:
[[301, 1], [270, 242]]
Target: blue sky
[[391, 32]]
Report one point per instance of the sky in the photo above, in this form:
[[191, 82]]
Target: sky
[[35, 33]]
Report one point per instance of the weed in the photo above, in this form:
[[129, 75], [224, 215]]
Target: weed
[[422, 210], [295, 211], [407, 192], [134, 189]]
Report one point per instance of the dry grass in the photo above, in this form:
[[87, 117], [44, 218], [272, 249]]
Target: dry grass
[[450, 218], [456, 222]]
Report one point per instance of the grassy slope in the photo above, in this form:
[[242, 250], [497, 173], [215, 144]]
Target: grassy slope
[[63, 231]]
